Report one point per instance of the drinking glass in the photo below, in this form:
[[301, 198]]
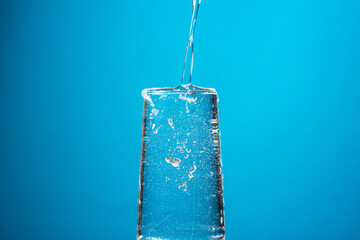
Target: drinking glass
[[180, 185]]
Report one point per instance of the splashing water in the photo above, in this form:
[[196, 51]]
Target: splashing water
[[190, 43], [180, 159]]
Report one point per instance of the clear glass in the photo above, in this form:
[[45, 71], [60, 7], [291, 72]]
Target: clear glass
[[180, 188]]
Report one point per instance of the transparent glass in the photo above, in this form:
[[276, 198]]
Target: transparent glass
[[180, 188]]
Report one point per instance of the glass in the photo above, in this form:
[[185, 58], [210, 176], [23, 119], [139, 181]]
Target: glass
[[180, 188]]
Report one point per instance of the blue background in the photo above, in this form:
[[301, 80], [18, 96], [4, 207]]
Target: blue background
[[288, 77]]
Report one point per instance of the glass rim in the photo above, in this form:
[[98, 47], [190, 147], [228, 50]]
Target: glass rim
[[177, 90]]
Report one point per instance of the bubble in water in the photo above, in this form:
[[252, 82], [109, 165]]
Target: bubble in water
[[183, 96], [171, 123], [191, 171], [156, 129], [186, 156], [210, 197], [175, 162], [153, 113], [183, 186], [202, 150], [181, 146]]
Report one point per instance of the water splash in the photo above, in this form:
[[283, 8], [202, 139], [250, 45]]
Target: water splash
[[190, 43]]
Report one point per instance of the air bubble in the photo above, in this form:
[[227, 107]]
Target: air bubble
[[153, 113], [183, 96], [157, 129], [183, 187], [191, 171], [175, 162], [171, 123]]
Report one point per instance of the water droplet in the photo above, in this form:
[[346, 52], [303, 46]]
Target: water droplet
[[175, 162], [171, 123]]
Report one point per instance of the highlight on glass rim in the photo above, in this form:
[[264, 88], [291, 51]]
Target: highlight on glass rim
[[180, 180]]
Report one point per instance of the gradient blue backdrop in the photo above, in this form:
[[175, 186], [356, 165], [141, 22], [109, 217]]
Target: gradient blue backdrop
[[288, 77]]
